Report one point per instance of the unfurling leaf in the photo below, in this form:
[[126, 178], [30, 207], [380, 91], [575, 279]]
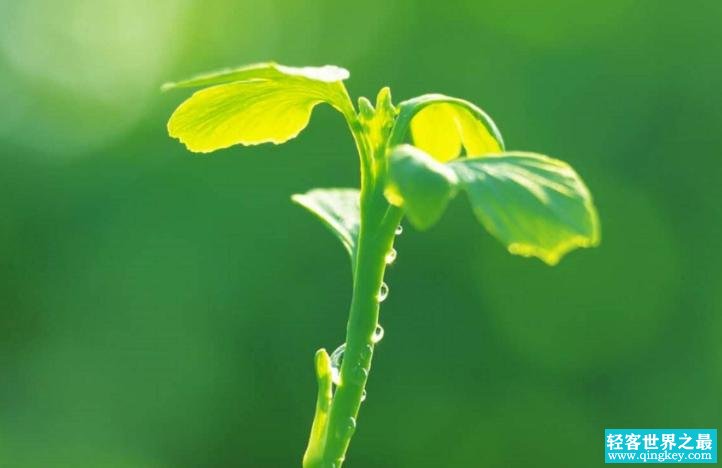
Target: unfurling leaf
[[377, 122], [443, 126], [537, 206], [338, 209], [263, 103], [420, 184]]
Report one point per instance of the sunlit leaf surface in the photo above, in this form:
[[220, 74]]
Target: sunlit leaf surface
[[263, 103], [444, 126]]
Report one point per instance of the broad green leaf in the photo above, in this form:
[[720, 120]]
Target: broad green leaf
[[338, 209], [536, 205], [264, 103], [443, 126], [420, 184]]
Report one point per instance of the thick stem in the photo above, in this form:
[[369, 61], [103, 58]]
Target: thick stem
[[375, 240], [335, 420]]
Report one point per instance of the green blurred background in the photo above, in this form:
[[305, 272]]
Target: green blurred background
[[160, 309]]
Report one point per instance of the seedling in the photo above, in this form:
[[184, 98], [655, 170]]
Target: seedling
[[414, 158]]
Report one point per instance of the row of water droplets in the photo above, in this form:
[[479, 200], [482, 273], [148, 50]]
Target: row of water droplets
[[337, 354], [390, 258], [337, 360]]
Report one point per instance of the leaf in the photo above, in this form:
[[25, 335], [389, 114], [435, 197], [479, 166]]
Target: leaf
[[339, 210], [262, 103], [536, 205], [420, 184], [442, 126]]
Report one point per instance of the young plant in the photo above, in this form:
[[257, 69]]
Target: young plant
[[414, 158]]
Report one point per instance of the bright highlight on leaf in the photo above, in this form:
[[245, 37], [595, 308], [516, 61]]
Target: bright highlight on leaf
[[338, 209], [264, 103], [442, 130], [444, 126], [270, 70]]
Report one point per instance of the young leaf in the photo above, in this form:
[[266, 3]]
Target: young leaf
[[420, 184], [377, 122], [536, 205], [442, 126], [338, 209], [264, 103], [314, 451]]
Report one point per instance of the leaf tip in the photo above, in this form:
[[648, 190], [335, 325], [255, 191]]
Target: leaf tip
[[553, 255], [366, 109], [383, 98]]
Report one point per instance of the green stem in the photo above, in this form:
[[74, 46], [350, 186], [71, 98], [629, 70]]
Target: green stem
[[375, 241], [334, 424], [378, 224], [336, 413]]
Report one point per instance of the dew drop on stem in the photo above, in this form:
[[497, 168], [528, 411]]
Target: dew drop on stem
[[383, 292], [350, 426], [336, 360], [363, 395], [366, 352], [359, 374], [399, 230], [346, 429], [391, 256], [378, 334]]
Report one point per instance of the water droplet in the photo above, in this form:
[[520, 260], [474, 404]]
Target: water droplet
[[346, 430], [336, 360], [337, 355], [383, 292], [391, 256], [351, 425], [359, 374], [399, 230], [378, 334], [366, 353], [363, 395]]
